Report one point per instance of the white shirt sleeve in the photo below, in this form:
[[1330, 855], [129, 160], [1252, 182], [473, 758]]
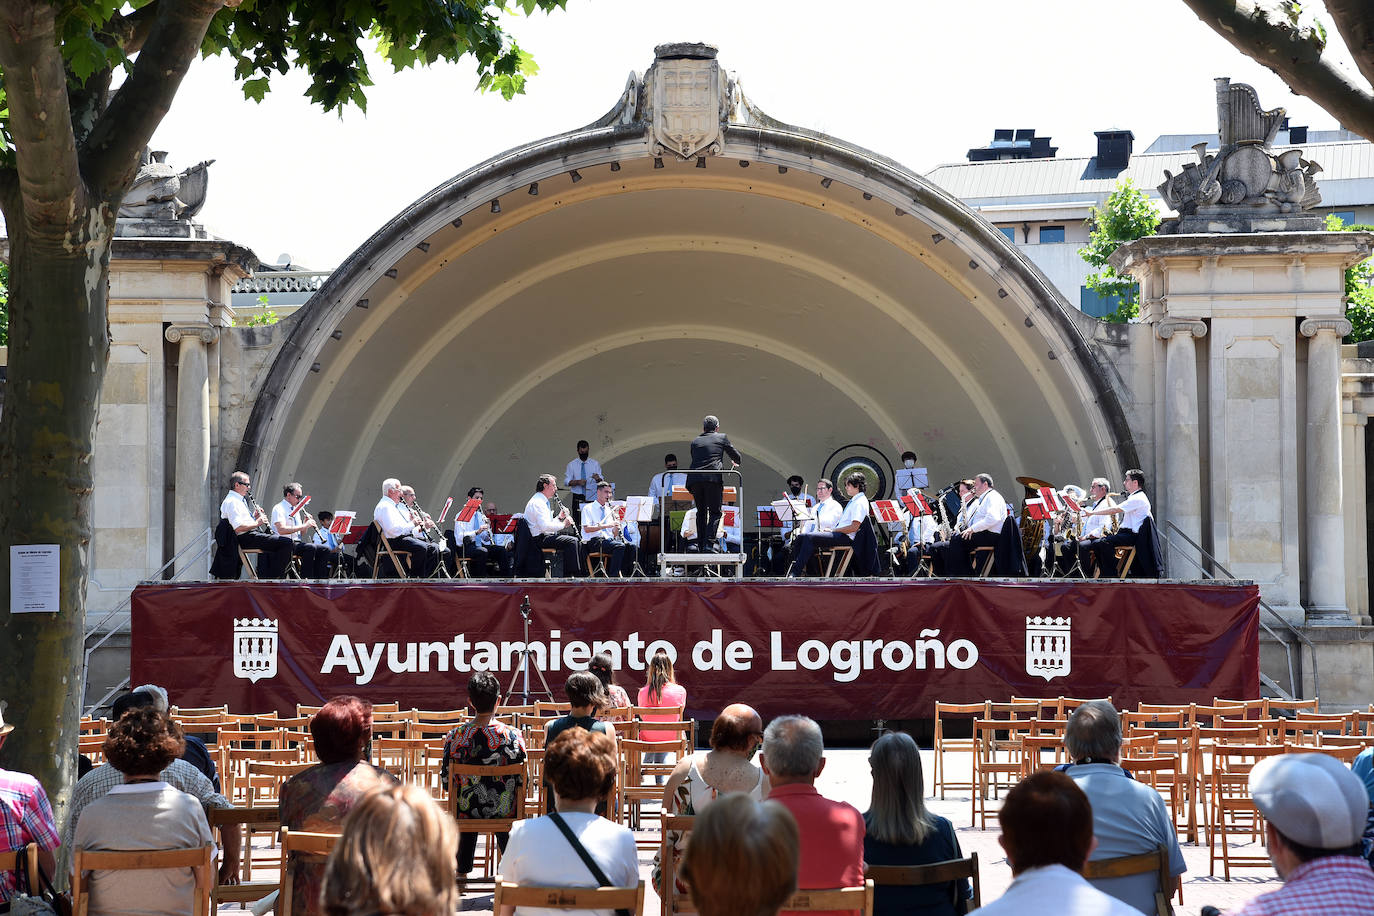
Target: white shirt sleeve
[[855, 511], [594, 514], [394, 522], [235, 509], [540, 517], [281, 515], [989, 514]]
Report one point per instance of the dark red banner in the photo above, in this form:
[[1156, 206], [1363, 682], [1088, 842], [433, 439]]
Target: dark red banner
[[833, 650]]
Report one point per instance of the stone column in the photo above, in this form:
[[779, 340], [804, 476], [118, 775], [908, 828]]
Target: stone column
[[1325, 525], [1353, 423], [1182, 441], [192, 436]]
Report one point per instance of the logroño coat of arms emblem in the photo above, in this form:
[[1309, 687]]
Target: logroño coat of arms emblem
[[1047, 647], [255, 648], [687, 107]]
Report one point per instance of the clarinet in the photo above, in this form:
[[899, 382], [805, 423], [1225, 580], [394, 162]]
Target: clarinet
[[264, 527], [556, 507]]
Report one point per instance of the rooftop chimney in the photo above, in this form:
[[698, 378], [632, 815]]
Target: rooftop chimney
[[1114, 148]]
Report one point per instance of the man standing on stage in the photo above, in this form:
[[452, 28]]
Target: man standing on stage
[[546, 530], [708, 454], [276, 550], [314, 559], [661, 485], [582, 472], [398, 526]]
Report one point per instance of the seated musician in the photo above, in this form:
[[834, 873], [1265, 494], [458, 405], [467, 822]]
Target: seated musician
[[505, 540], [1134, 509], [1095, 527], [603, 531], [314, 558], [548, 530], [398, 526], [325, 538], [425, 528], [251, 529], [920, 538], [951, 558], [473, 538], [987, 513], [842, 535]]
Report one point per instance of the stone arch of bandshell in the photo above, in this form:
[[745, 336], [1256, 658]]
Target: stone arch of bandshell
[[420, 356]]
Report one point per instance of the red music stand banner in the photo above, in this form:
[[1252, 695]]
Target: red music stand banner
[[885, 649]]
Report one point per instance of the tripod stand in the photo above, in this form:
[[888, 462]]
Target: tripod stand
[[525, 662]]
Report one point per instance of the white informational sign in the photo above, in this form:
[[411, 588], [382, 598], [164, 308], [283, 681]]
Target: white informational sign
[[35, 572]]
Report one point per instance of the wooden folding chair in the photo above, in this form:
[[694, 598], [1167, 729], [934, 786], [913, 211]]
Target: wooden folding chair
[[488, 827], [570, 898], [985, 556], [996, 760], [199, 860], [243, 558], [844, 555], [1125, 556], [1179, 743], [947, 745], [1233, 810], [264, 780], [307, 849], [1144, 863], [634, 790], [1274, 707], [384, 547], [249, 821], [177, 711], [934, 873], [403, 758], [1163, 773], [853, 899], [673, 836]]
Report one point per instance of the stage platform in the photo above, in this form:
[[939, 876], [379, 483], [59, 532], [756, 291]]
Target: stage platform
[[836, 649]]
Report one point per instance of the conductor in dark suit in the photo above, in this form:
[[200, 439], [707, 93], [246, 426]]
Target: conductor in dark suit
[[708, 454]]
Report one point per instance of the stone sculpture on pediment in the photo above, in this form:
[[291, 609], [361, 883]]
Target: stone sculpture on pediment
[[688, 100], [1245, 186]]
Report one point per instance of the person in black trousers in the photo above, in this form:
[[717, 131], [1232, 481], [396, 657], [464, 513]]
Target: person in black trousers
[[708, 454]]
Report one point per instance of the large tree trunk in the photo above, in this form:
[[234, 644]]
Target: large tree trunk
[[59, 343]]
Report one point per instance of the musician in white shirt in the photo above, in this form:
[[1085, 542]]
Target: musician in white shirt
[[1095, 527], [842, 533], [987, 513], [314, 559], [920, 537], [398, 525], [276, 550], [581, 476], [480, 552], [602, 531], [1134, 509], [547, 531], [662, 484]]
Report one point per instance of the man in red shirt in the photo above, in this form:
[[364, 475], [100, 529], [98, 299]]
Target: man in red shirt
[[832, 833]]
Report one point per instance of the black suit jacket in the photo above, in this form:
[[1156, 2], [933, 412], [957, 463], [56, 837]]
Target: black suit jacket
[[708, 451]]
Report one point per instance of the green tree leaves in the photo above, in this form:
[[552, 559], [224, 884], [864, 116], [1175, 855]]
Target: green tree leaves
[[1128, 214], [1359, 294]]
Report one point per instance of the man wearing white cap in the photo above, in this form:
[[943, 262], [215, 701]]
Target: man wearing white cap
[[1314, 812]]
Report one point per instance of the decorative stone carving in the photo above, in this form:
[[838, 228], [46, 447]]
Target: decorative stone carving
[[1311, 327], [689, 100], [1170, 326], [162, 200], [1246, 186], [205, 332]]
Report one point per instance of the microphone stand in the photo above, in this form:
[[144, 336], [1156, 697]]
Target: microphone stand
[[526, 661]]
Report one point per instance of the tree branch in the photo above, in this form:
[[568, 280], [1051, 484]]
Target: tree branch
[[40, 119], [139, 105], [1295, 55], [1353, 21]]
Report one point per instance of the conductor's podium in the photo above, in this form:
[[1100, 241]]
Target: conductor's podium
[[675, 564]]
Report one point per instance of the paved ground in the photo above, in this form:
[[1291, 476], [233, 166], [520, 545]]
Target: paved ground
[[846, 777]]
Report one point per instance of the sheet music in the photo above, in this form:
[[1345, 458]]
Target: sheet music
[[639, 508], [784, 510]]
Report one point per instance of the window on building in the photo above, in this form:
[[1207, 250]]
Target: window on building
[[1051, 234], [1347, 217], [1009, 232], [1096, 305]]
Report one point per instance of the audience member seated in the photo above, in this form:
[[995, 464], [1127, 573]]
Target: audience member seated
[[544, 851], [660, 690], [143, 813], [482, 741], [395, 856], [617, 700], [318, 799], [25, 817], [742, 857], [179, 774], [900, 831], [698, 779], [1047, 833], [1129, 817], [586, 698], [1314, 814], [832, 832]]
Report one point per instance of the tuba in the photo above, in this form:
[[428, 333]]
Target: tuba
[[1032, 529]]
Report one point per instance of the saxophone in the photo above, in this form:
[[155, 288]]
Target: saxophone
[[941, 515]]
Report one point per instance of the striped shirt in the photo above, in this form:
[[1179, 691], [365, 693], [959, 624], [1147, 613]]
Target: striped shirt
[[26, 817], [1331, 885]]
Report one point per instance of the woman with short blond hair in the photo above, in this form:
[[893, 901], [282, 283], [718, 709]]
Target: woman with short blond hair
[[395, 857], [742, 857]]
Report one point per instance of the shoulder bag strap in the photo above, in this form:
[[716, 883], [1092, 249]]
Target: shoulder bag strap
[[586, 857]]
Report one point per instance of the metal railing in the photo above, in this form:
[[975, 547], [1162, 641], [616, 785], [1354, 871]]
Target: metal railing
[[1297, 637], [668, 560], [106, 627]]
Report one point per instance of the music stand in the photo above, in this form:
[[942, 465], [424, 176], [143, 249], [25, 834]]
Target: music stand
[[526, 661]]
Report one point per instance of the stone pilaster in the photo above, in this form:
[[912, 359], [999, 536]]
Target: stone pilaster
[[192, 432], [1182, 440], [1325, 526], [1353, 422]]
